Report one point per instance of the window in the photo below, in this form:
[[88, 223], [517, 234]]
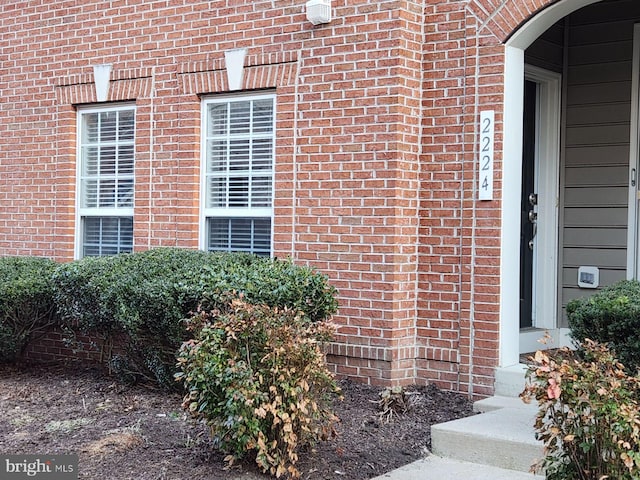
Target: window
[[106, 140], [238, 146]]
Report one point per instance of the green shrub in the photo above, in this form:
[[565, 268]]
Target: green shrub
[[142, 298], [588, 416], [610, 316], [26, 302], [257, 376], [262, 280]]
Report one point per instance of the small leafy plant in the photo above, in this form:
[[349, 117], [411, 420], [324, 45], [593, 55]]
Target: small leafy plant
[[257, 376], [393, 401], [588, 416]]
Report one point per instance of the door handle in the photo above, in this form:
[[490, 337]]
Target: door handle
[[533, 218]]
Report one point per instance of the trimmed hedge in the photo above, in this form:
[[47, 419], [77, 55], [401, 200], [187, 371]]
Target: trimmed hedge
[[142, 299], [26, 302], [610, 316]]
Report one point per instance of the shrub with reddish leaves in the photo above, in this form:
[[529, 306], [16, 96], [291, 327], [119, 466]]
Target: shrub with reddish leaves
[[257, 376], [588, 416]]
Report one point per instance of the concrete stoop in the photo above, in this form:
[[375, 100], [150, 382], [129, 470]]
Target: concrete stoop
[[502, 436], [439, 468], [510, 381]]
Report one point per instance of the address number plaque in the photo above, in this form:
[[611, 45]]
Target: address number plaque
[[485, 167]]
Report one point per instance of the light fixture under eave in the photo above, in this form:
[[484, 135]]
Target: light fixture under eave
[[318, 11]]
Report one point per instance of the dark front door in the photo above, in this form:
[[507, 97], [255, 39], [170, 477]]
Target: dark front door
[[528, 202]]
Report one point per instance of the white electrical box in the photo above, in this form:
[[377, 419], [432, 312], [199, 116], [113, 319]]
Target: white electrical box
[[588, 277], [318, 11]]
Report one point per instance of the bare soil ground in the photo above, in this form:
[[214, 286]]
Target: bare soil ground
[[138, 432]]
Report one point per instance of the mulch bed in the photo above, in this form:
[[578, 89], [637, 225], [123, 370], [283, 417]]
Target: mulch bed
[[139, 432]]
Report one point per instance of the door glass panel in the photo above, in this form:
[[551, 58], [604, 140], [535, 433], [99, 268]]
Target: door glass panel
[[528, 212]]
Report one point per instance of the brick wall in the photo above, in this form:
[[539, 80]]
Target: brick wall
[[55, 347], [375, 151]]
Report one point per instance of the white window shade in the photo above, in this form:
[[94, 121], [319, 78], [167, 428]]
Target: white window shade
[[240, 234], [238, 173], [106, 180], [107, 236], [107, 155]]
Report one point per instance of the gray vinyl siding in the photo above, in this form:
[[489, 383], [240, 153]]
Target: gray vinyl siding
[[547, 51], [596, 156]]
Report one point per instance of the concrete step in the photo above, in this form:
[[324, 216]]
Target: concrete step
[[434, 467], [503, 436], [498, 401], [510, 381]]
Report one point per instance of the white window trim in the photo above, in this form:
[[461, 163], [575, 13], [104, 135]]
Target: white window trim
[[232, 212], [93, 212]]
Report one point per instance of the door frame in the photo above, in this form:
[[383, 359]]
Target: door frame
[[633, 260], [547, 181], [509, 331]]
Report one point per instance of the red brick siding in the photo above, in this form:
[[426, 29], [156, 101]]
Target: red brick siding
[[376, 116], [55, 347]]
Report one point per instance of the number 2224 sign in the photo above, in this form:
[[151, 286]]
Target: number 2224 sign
[[485, 167]]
